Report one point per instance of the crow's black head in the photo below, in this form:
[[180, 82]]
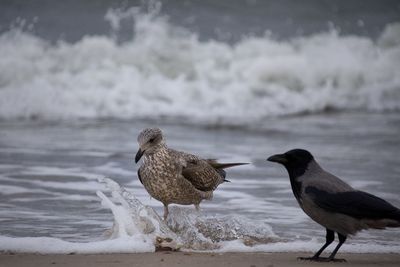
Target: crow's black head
[[295, 161]]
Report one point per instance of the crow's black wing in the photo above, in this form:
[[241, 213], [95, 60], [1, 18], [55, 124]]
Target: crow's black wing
[[357, 204]]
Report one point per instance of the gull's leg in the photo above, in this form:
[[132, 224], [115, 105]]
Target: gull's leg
[[197, 206], [165, 211]]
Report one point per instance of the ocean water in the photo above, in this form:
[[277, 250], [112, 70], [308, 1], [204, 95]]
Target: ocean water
[[71, 108]]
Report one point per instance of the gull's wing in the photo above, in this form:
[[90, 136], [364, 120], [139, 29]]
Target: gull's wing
[[203, 174]]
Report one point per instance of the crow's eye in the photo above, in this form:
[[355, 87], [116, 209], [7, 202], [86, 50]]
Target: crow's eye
[[151, 140]]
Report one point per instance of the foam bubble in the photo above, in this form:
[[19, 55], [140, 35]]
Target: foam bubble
[[48, 245]]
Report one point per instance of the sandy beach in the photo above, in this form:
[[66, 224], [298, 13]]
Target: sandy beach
[[190, 259]]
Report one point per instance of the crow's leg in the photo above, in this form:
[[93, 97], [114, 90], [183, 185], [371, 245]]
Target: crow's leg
[[330, 236], [342, 239]]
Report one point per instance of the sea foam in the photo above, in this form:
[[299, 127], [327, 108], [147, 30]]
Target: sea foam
[[165, 71], [137, 228]]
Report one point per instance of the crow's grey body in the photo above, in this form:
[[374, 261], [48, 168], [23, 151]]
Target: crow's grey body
[[172, 176], [333, 203]]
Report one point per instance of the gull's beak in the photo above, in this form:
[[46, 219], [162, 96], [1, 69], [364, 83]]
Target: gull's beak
[[139, 154], [279, 158]]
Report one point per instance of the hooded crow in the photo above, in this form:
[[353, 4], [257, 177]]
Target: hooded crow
[[333, 203]]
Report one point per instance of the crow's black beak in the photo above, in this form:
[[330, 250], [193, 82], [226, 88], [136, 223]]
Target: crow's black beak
[[139, 154], [279, 158]]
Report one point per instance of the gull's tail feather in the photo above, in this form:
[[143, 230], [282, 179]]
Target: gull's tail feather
[[218, 165]]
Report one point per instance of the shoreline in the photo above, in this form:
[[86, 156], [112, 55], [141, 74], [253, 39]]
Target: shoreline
[[194, 259]]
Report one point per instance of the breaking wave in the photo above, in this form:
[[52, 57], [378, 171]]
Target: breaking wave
[[164, 71], [184, 228]]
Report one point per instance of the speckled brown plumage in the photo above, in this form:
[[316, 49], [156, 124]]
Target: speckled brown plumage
[[172, 176]]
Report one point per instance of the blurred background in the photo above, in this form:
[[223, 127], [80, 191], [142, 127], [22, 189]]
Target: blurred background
[[239, 60], [236, 80], [227, 21]]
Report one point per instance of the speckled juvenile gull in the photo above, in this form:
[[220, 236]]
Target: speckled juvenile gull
[[172, 176]]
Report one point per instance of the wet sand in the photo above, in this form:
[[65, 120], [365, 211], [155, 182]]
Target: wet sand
[[191, 259]]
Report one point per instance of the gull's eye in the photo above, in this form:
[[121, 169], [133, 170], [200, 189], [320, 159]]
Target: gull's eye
[[151, 140]]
